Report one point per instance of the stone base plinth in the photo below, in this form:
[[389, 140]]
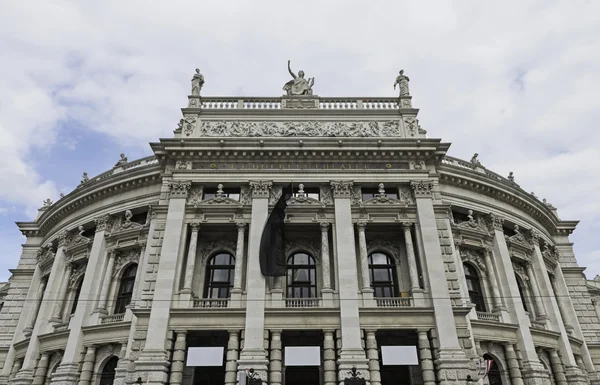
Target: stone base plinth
[[576, 376], [353, 359], [453, 367], [255, 360], [153, 367], [67, 373], [23, 377], [534, 374]]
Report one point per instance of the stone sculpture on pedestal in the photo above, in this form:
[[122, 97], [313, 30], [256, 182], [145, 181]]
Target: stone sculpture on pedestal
[[402, 82], [197, 82], [299, 85]]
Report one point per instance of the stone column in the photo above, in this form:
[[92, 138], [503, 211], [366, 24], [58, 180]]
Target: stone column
[[17, 365], [449, 347], [39, 295], [352, 354], [177, 363], [540, 312], [364, 261], [42, 367], [513, 364], [373, 357], [533, 371], [88, 365], [154, 358], [412, 260], [253, 354], [426, 358], [191, 259], [236, 291], [557, 368], [233, 347], [275, 368], [62, 296], [329, 358], [101, 308], [491, 273]]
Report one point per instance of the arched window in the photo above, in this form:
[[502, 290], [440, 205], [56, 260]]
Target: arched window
[[522, 291], [220, 272], [125, 289], [382, 271], [76, 296], [493, 374], [474, 287], [301, 276], [108, 372]]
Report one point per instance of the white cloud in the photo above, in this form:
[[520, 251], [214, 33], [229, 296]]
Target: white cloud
[[514, 81]]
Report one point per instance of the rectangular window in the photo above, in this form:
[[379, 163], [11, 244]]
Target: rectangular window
[[302, 356], [205, 356], [399, 355]]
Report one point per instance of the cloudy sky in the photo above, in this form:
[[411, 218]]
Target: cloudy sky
[[515, 81]]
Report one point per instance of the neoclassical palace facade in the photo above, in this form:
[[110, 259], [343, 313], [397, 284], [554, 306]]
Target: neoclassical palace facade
[[390, 243]]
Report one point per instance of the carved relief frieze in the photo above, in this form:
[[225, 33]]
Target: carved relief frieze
[[303, 244], [411, 125], [189, 124], [212, 247], [195, 196], [276, 192], [372, 128], [326, 195], [384, 245], [405, 195], [473, 256], [125, 258], [245, 195], [77, 273], [183, 165]]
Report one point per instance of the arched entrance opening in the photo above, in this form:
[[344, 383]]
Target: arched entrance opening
[[494, 375], [107, 377]]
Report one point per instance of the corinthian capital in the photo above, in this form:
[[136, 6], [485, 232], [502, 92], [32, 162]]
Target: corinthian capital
[[261, 188], [495, 222], [421, 188], [103, 222], [179, 188], [342, 188]]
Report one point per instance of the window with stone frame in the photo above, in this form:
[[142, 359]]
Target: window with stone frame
[[220, 272], [474, 287], [301, 278], [125, 291], [384, 279], [522, 292]]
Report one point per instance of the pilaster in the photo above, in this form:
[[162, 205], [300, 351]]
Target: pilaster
[[329, 367], [275, 367], [326, 291], [373, 357], [177, 364]]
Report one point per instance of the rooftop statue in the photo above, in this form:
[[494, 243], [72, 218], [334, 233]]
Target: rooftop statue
[[299, 85], [402, 82], [197, 82]]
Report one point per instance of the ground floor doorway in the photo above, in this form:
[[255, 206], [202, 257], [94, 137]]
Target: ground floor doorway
[[393, 374], [215, 373], [302, 375]]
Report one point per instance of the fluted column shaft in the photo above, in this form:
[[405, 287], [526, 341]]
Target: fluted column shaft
[[426, 359], [106, 282], [176, 376], [62, 295], [410, 257], [492, 280], [373, 357], [88, 366], [41, 370], [539, 305], [329, 369], [325, 255], [239, 256], [191, 258], [364, 262], [275, 367], [557, 368], [36, 306], [513, 364]]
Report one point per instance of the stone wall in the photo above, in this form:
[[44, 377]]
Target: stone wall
[[149, 276], [582, 302], [449, 262]]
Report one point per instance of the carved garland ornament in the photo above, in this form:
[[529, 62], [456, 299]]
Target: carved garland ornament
[[303, 128]]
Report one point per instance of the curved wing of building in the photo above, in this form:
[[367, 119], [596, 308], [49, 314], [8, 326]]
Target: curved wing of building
[[403, 265]]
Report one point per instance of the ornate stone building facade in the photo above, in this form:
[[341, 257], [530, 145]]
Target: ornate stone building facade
[[390, 242]]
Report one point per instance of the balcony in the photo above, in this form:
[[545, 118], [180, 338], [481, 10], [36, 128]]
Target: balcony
[[113, 318], [483, 316], [302, 302], [394, 302], [211, 302]]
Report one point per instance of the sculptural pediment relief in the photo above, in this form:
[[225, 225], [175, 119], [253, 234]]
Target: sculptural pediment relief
[[45, 256], [220, 200], [474, 224], [518, 242], [472, 256]]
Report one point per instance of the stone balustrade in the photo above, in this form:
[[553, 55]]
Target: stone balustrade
[[302, 302], [211, 302], [113, 318], [258, 103], [394, 302], [484, 316]]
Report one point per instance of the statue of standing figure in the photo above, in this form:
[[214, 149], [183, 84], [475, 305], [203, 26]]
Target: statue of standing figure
[[299, 85], [402, 82], [197, 82]]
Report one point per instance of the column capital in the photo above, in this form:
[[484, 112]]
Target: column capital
[[508, 346], [361, 226], [407, 225], [421, 188], [324, 226], [341, 188], [103, 222], [179, 188], [195, 225], [241, 226], [495, 222], [261, 188]]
